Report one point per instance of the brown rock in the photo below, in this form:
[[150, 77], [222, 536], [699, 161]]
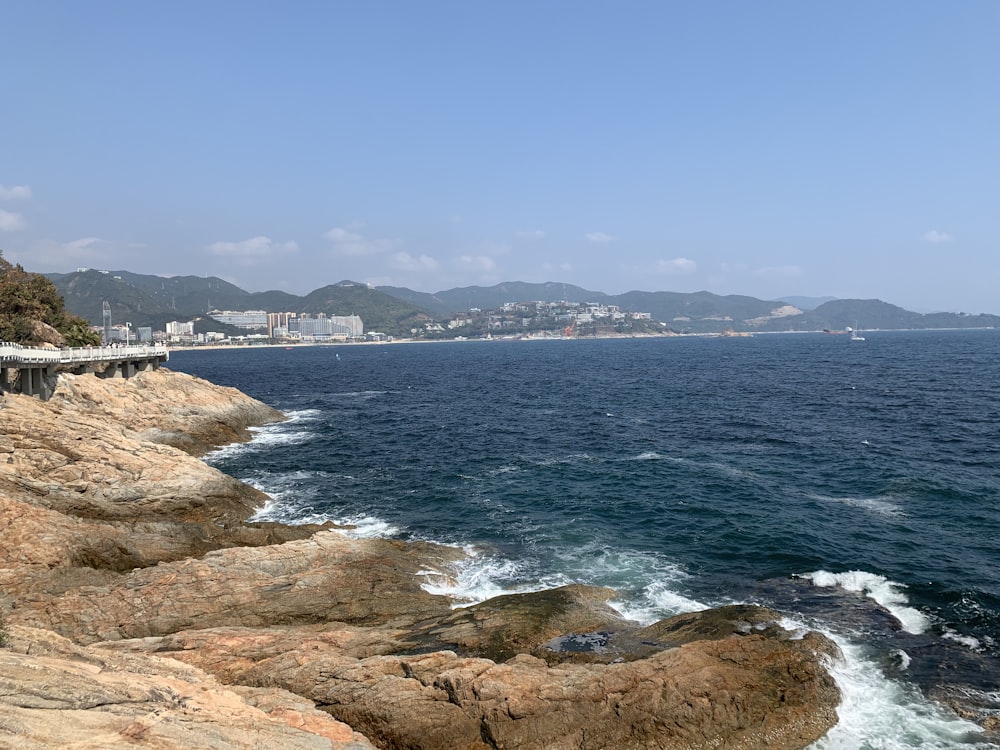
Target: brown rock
[[760, 690], [83, 453], [112, 532], [505, 626], [327, 577], [57, 695]]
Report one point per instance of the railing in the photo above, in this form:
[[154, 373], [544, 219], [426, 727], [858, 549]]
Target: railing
[[16, 354]]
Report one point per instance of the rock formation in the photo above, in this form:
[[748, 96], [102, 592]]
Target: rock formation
[[144, 604]]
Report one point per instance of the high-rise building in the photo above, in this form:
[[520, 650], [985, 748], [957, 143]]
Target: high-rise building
[[249, 319], [278, 321], [323, 327]]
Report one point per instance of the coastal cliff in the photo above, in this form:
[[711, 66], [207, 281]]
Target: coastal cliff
[[144, 608]]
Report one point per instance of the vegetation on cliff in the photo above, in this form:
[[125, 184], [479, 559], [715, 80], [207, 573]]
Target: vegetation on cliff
[[30, 307]]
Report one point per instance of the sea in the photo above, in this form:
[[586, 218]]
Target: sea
[[853, 486]]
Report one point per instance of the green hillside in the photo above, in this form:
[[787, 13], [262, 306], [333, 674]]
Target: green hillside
[[377, 310], [145, 300], [492, 297], [86, 291]]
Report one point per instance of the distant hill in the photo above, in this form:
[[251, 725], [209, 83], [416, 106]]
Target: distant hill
[[154, 300], [698, 312], [377, 310], [145, 300], [704, 312], [807, 303], [874, 313]]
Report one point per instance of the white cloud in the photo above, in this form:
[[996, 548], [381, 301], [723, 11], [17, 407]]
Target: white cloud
[[252, 251], [476, 262], [83, 245], [346, 242], [10, 221], [407, 262], [675, 266], [15, 193], [935, 237], [534, 234], [783, 272], [63, 256], [600, 237]]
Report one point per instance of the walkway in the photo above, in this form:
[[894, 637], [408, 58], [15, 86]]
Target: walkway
[[31, 370]]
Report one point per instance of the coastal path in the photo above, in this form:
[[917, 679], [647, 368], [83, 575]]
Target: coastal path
[[31, 370]]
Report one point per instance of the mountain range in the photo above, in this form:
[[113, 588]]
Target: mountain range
[[145, 300]]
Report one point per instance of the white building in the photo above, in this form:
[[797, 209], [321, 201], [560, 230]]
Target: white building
[[180, 329], [323, 327], [248, 319]]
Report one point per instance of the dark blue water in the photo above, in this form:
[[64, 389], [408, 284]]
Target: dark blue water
[[837, 481]]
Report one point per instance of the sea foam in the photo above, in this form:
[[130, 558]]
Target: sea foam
[[480, 576], [290, 432], [876, 713], [879, 589]]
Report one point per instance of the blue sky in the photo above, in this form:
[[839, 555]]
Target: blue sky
[[764, 148]]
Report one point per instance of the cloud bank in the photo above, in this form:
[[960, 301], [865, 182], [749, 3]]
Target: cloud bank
[[10, 221], [15, 193]]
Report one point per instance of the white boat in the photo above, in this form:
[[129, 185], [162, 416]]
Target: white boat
[[855, 336]]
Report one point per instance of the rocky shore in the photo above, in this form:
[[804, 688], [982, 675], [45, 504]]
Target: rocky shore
[[143, 608]]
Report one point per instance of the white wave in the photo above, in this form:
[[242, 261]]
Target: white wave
[[650, 586], [878, 588], [882, 506], [904, 659], [301, 415], [649, 456], [973, 644], [268, 512], [366, 527], [658, 600], [876, 713], [292, 506], [479, 576], [266, 437]]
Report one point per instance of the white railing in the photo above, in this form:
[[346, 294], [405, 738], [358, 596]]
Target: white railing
[[16, 354]]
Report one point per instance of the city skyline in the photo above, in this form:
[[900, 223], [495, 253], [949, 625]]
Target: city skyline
[[768, 150]]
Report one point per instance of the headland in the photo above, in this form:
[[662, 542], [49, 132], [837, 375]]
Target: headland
[[143, 607]]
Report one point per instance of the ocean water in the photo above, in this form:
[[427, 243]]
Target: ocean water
[[853, 486]]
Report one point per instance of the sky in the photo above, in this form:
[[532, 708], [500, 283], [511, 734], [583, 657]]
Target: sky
[[771, 148]]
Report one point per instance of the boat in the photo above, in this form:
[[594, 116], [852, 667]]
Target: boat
[[855, 336]]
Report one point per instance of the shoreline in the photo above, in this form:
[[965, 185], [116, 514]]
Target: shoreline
[[737, 335], [135, 549]]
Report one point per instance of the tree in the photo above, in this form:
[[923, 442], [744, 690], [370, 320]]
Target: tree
[[26, 298]]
